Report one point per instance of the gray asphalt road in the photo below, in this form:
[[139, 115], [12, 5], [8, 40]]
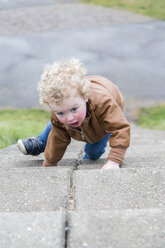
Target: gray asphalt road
[[10, 4], [127, 48], [131, 55]]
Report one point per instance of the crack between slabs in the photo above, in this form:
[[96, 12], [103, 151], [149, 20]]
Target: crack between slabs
[[66, 232], [70, 206]]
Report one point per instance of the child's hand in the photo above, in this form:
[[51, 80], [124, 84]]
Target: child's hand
[[111, 165], [46, 163]]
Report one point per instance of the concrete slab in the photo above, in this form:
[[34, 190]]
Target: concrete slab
[[138, 132], [73, 147], [26, 161], [146, 151], [145, 138], [9, 149], [117, 229], [144, 143], [142, 151], [34, 230], [119, 189], [139, 162], [34, 189], [11, 157], [134, 162]]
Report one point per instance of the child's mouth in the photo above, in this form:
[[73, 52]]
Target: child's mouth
[[74, 124]]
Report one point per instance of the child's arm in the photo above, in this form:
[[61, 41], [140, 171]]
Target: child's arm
[[57, 143], [111, 165], [109, 113]]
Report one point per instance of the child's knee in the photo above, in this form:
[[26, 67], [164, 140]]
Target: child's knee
[[91, 154]]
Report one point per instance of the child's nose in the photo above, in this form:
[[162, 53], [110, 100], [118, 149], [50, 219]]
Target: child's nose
[[70, 118]]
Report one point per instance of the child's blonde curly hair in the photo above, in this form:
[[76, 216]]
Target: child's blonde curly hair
[[59, 80]]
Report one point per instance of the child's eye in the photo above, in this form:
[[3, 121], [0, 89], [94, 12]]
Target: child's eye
[[74, 109], [60, 113]]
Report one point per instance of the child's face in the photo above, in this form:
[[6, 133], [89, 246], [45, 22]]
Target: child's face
[[71, 111]]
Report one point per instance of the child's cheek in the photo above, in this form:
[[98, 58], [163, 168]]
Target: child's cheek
[[61, 119], [80, 116]]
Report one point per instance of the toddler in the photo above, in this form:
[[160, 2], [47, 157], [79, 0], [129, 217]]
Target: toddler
[[86, 108]]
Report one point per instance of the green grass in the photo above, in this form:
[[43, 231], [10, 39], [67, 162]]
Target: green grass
[[152, 117], [21, 123], [152, 8]]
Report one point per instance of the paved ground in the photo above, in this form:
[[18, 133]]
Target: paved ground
[[127, 48], [78, 205]]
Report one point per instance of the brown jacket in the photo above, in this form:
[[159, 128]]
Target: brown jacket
[[104, 115]]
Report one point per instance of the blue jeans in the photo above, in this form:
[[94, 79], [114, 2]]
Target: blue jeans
[[44, 135], [92, 151]]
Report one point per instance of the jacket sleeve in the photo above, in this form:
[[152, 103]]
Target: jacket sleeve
[[57, 142], [115, 123]]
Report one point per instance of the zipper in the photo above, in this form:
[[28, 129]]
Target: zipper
[[82, 134]]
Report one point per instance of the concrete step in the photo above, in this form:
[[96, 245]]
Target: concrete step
[[119, 189], [135, 162], [112, 208], [119, 228], [143, 150], [34, 189], [144, 144], [148, 150], [11, 157], [29, 161], [139, 162], [9, 149], [137, 131], [74, 147], [32, 230]]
